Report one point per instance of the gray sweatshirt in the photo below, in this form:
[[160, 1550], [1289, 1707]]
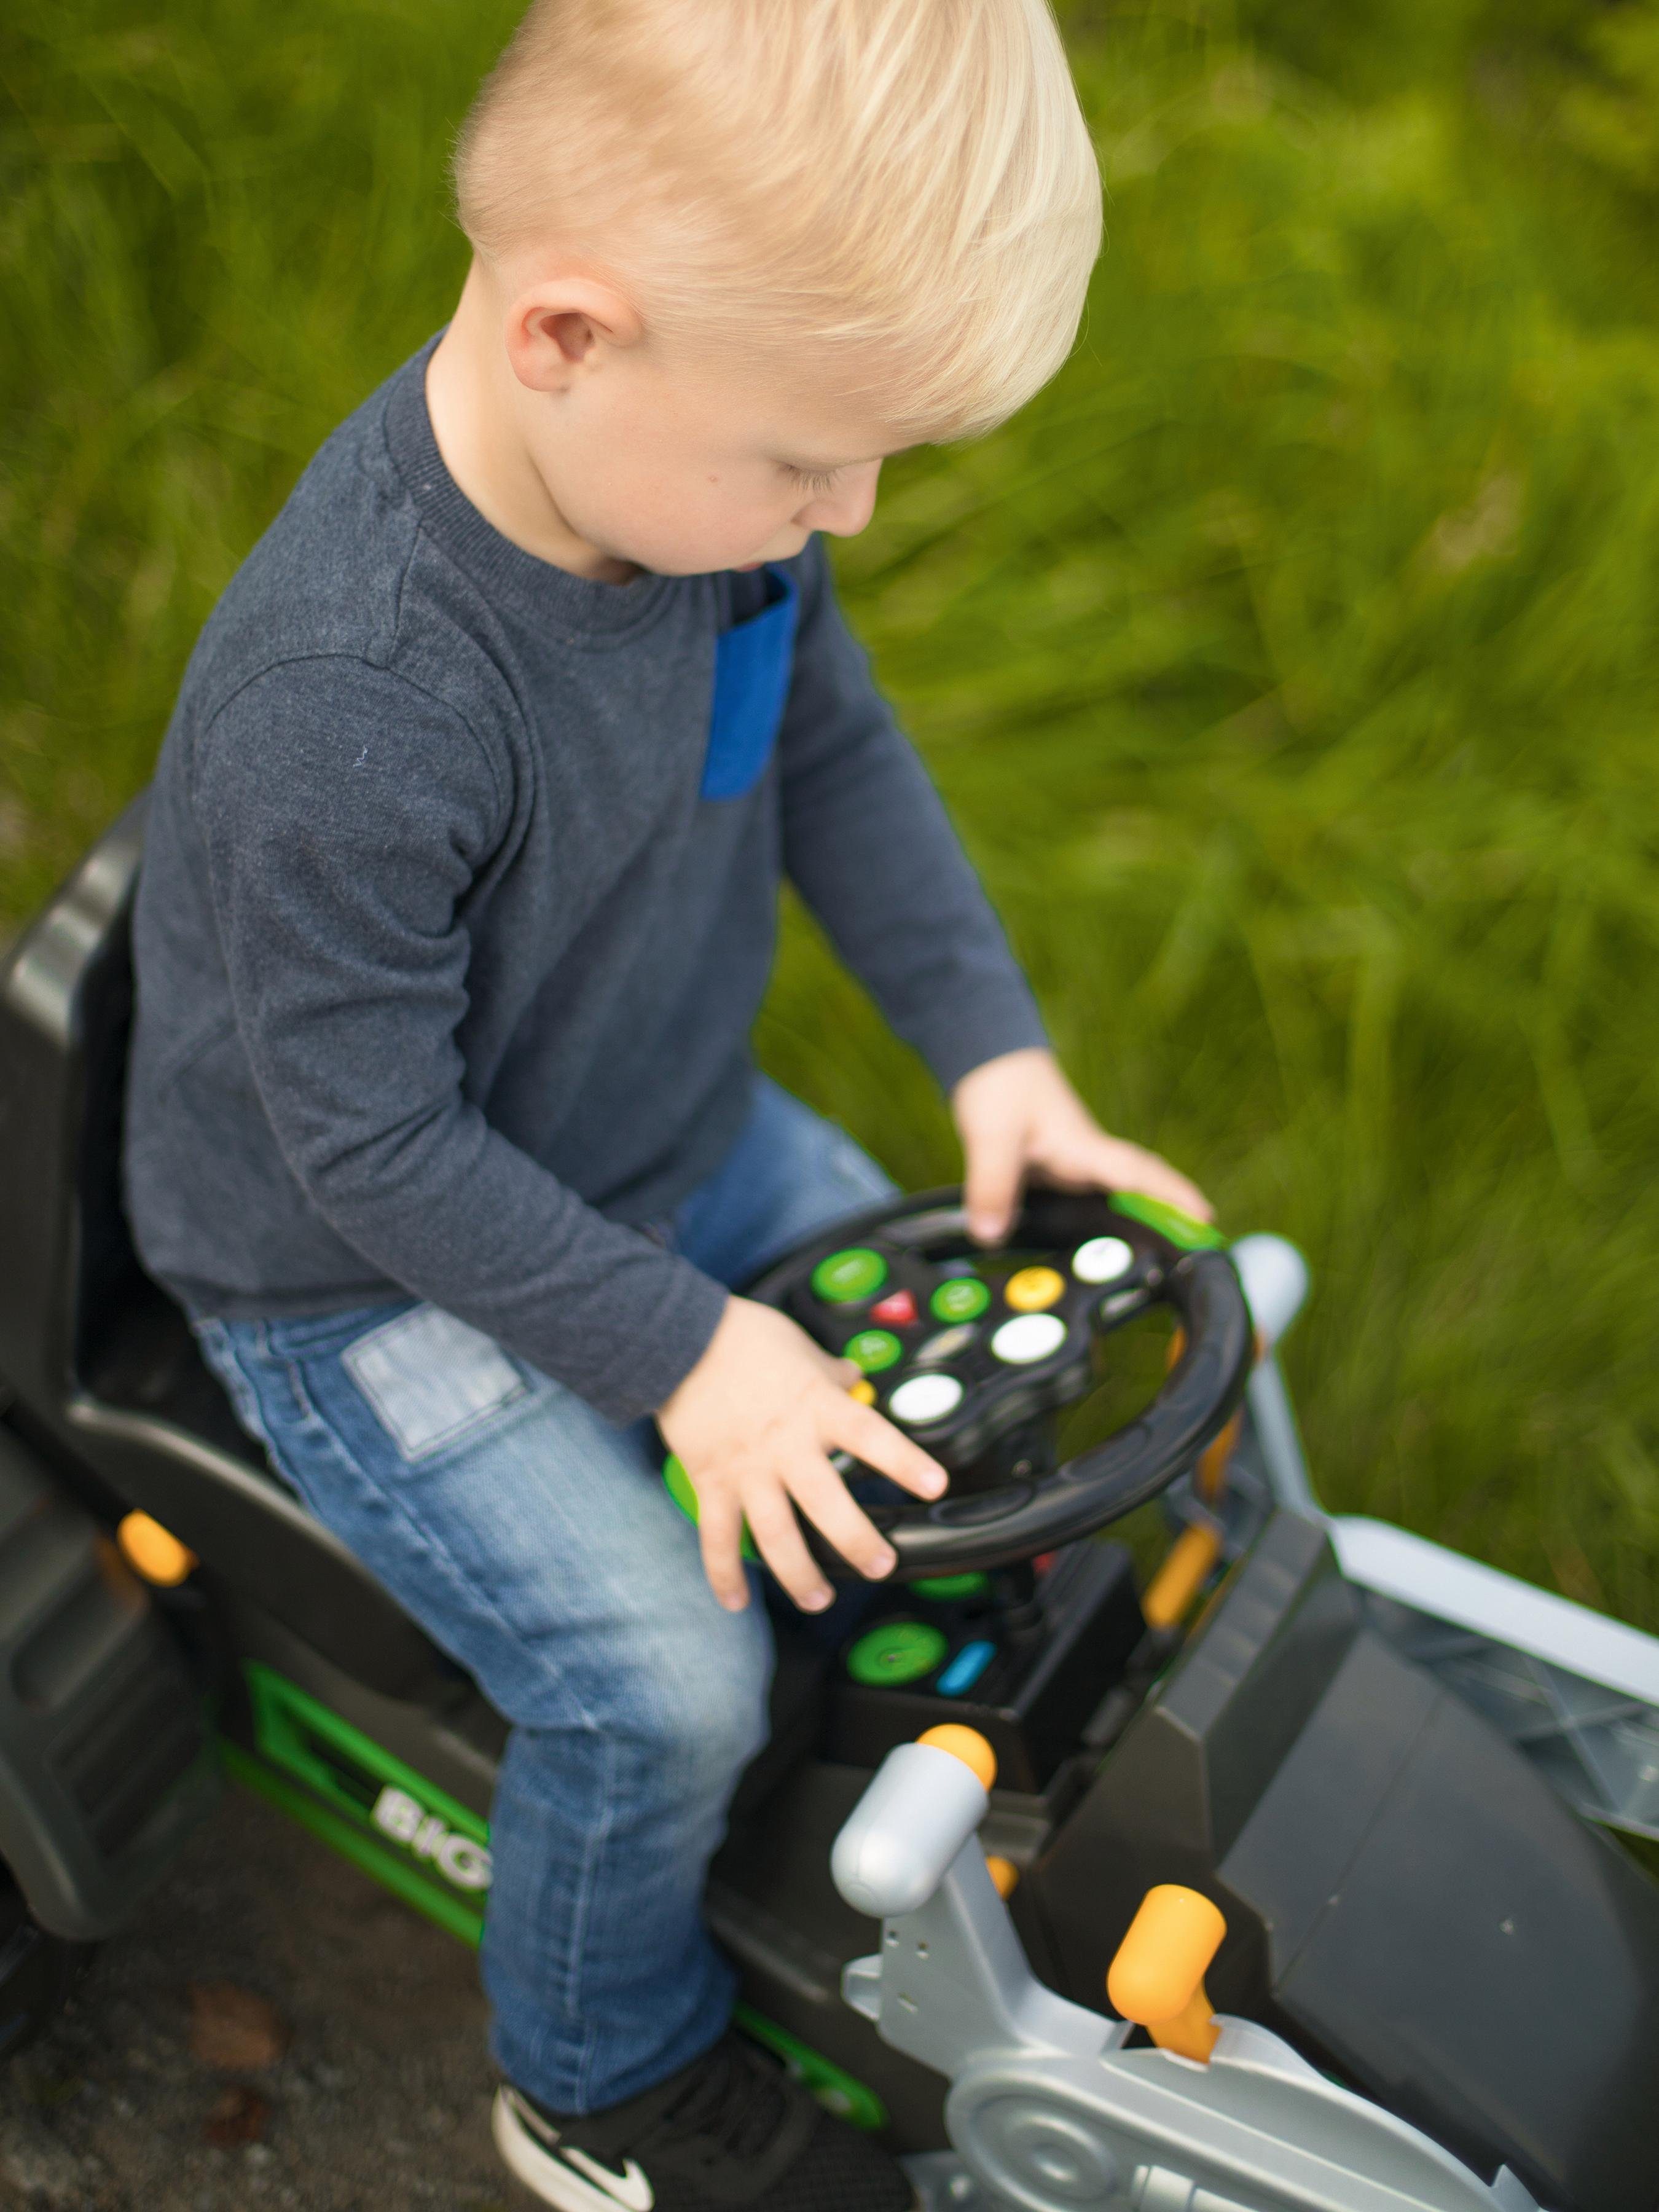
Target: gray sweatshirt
[[458, 901]]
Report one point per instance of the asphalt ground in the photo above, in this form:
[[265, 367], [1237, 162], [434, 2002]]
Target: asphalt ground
[[379, 2101]]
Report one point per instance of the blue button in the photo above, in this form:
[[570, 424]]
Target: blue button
[[965, 1669]]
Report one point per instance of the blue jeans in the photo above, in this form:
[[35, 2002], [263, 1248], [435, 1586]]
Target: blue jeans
[[537, 1545]]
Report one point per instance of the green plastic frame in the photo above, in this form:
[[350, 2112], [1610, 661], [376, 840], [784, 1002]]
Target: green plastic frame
[[304, 1753], [303, 1738]]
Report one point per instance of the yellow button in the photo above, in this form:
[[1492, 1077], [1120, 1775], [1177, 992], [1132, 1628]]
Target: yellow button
[[863, 1390], [1032, 1289]]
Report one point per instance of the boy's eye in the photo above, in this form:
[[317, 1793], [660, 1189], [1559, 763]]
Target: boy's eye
[[815, 481]]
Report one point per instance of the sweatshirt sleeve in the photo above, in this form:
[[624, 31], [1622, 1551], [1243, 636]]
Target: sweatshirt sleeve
[[341, 881], [869, 845]]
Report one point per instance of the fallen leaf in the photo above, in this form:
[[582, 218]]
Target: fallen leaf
[[233, 2029], [239, 2116]]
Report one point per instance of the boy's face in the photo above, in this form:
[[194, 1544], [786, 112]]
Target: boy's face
[[685, 461]]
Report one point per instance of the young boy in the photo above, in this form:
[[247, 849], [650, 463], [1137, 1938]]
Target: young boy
[[457, 907]]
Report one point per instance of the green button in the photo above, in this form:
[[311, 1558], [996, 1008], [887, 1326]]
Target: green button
[[897, 1651], [872, 1349], [964, 1298], [943, 1587], [846, 1277]]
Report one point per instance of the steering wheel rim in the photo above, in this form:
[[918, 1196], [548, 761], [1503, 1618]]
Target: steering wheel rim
[[1018, 1519]]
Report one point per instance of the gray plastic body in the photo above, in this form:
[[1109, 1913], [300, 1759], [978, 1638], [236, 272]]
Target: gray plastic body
[[1575, 1692], [1049, 2111]]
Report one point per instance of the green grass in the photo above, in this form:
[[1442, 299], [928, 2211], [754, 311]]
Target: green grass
[[1290, 665]]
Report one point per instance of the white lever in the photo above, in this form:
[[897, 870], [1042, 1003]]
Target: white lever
[[1275, 1279], [907, 1829]]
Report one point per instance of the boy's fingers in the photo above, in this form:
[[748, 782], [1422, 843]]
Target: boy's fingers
[[863, 1431], [823, 1498], [778, 1539], [720, 1533], [993, 1161]]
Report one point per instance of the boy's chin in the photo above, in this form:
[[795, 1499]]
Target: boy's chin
[[683, 560], [774, 553]]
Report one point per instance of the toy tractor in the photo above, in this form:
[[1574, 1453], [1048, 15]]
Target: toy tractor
[[1279, 1876]]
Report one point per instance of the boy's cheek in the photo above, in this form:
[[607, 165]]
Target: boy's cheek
[[676, 516]]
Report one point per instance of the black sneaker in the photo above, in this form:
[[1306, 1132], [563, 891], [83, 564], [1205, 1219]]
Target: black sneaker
[[730, 2129]]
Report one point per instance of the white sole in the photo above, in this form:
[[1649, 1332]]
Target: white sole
[[543, 2176]]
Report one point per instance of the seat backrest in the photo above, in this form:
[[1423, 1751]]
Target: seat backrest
[[94, 1351], [65, 1006]]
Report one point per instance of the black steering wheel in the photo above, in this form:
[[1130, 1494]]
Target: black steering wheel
[[966, 1349]]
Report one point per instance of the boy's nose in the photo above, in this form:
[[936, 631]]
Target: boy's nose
[[846, 510]]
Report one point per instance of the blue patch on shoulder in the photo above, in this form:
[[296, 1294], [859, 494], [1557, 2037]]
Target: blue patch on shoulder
[[753, 663]]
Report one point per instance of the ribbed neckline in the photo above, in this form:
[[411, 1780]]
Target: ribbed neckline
[[604, 612]]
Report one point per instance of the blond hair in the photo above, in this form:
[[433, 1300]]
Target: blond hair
[[907, 185]]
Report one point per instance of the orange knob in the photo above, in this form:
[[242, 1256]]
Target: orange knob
[[1005, 1875], [1156, 1979], [153, 1552], [966, 1744]]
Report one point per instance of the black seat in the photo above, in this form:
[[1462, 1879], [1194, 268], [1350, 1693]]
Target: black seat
[[95, 1352]]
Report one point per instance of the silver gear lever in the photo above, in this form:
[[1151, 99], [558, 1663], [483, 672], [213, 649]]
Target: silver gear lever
[[1047, 2110]]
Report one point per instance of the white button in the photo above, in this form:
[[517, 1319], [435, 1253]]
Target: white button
[[925, 1398], [1029, 1337], [1102, 1260]]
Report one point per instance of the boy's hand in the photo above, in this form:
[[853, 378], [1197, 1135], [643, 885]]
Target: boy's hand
[[1017, 1113], [754, 1423]]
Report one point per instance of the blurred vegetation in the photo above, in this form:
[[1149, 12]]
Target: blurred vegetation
[[1290, 665]]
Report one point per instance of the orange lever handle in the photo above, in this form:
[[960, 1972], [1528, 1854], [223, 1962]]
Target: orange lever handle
[[1157, 1979], [1186, 1568]]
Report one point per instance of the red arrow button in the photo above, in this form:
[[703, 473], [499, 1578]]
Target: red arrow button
[[897, 1310]]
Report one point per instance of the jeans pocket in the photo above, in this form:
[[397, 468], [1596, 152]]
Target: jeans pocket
[[302, 1337], [430, 1380]]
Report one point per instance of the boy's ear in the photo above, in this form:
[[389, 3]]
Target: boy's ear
[[562, 328]]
